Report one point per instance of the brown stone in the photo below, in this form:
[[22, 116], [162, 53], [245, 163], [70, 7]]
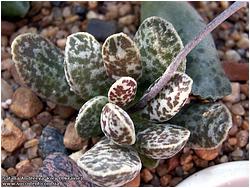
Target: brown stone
[[245, 125], [6, 91], [242, 138], [161, 170], [3, 172], [232, 141], [165, 180], [43, 118], [22, 163], [25, 103], [63, 111], [11, 171], [200, 162], [27, 170], [238, 109], [233, 130], [12, 137], [175, 181], [235, 95], [7, 28], [71, 139], [207, 154], [135, 182], [146, 175], [37, 162], [236, 71], [58, 123], [31, 143], [32, 152], [126, 20], [187, 166], [172, 163], [244, 88], [186, 158]]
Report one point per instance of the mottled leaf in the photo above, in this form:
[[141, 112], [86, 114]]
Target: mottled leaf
[[208, 123], [203, 64], [84, 66], [39, 64], [123, 91], [162, 141], [159, 44], [170, 100], [88, 120], [149, 162], [117, 125], [121, 57], [109, 165]]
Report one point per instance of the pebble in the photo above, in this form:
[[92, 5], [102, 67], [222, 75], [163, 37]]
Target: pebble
[[81, 12], [186, 158], [71, 139], [135, 182], [200, 162], [237, 120], [6, 91], [66, 12], [58, 164], [112, 12], [27, 170], [238, 109], [3, 172], [242, 138], [29, 133], [245, 104], [32, 152], [161, 170], [155, 182], [232, 141], [37, 129], [245, 125], [224, 4], [243, 43], [207, 154], [7, 28], [58, 123], [51, 141], [4, 154], [124, 9], [25, 103], [11, 137], [237, 154], [187, 166], [9, 162], [165, 180], [224, 159], [37, 162], [92, 15], [232, 55], [11, 171], [175, 181], [146, 175], [126, 20], [235, 95], [233, 130], [71, 19], [172, 163], [22, 163], [6, 64], [107, 27], [25, 125], [244, 88], [63, 111], [179, 171], [43, 118], [92, 4], [61, 43], [4, 42], [31, 143]]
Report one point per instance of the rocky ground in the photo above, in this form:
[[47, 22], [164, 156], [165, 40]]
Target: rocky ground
[[29, 121]]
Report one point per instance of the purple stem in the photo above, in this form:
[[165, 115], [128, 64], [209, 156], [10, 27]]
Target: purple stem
[[184, 52]]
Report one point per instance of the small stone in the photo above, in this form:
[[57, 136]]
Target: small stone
[[186, 158], [12, 137], [175, 181], [187, 166], [172, 163], [31, 143], [235, 95], [232, 141], [107, 27], [125, 9], [92, 4], [25, 103], [37, 162], [207, 154], [232, 55], [29, 133], [11, 171], [224, 4], [161, 170], [245, 125], [244, 88], [51, 141], [165, 180], [59, 164], [3, 172], [224, 159], [126, 20], [66, 12], [242, 138], [58, 123], [237, 120], [61, 43], [179, 171], [92, 15], [22, 156], [242, 97], [9, 161], [4, 42], [37, 129], [45, 12], [26, 170], [81, 11], [22, 163], [7, 28], [32, 152], [25, 125], [236, 71], [238, 109], [63, 111], [245, 104], [71, 19], [237, 154], [4, 154], [43, 118], [6, 64], [146, 175], [243, 43], [51, 105], [135, 182], [71, 139], [155, 181], [6, 91], [200, 162], [233, 130]]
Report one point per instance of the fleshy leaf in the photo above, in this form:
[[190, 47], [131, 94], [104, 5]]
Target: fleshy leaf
[[88, 120], [208, 123], [109, 165], [149, 162], [159, 44], [84, 68], [170, 100], [203, 63], [117, 125], [121, 57], [162, 141], [123, 91], [39, 64]]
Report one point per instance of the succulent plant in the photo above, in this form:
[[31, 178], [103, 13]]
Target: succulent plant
[[110, 78]]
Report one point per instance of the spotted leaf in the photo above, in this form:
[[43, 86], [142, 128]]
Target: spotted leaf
[[208, 123], [121, 57], [39, 64], [109, 165], [117, 125], [162, 141], [159, 44], [123, 91], [84, 68], [170, 100], [88, 120]]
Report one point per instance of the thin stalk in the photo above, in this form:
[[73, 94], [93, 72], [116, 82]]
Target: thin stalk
[[184, 52]]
